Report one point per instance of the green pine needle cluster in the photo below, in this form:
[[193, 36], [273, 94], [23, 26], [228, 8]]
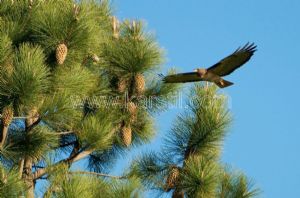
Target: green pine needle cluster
[[96, 132], [235, 184], [201, 129], [5, 48], [189, 163], [28, 80], [10, 183], [133, 52]]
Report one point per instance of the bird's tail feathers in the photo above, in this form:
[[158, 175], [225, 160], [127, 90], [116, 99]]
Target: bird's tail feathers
[[223, 83], [161, 75]]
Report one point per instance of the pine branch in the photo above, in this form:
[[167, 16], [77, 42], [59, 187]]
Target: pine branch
[[31, 121], [98, 174], [21, 166], [68, 144], [19, 117], [75, 149], [15, 117], [65, 133], [35, 166], [35, 123], [78, 156], [4, 131]]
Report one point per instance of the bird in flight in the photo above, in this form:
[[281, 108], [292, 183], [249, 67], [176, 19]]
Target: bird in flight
[[215, 73]]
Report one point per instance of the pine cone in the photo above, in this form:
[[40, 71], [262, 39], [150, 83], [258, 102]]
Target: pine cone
[[132, 109], [9, 68], [7, 115], [61, 53], [126, 135], [178, 194], [76, 10], [30, 2], [115, 27], [172, 179], [95, 58], [122, 85], [136, 30], [139, 84]]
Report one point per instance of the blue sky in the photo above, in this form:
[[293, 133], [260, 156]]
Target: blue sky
[[264, 137]]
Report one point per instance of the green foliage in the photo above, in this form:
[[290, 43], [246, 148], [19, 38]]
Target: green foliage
[[104, 161], [79, 84], [96, 131], [29, 79], [10, 153], [143, 130], [201, 129], [76, 185], [130, 188], [193, 147], [199, 177], [5, 48], [128, 55], [151, 168], [91, 187], [160, 95], [10, 184], [56, 21], [14, 17], [236, 185], [36, 144], [58, 111]]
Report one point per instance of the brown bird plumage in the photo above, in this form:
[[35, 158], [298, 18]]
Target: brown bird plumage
[[215, 73]]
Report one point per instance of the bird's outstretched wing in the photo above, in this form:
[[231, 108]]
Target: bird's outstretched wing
[[233, 61], [182, 78]]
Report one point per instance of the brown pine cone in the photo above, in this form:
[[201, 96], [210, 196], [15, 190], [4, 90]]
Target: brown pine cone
[[61, 53], [7, 115]]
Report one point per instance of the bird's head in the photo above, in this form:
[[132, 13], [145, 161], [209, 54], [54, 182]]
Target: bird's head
[[201, 72]]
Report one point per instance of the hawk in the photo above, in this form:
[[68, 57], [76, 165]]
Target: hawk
[[215, 73]]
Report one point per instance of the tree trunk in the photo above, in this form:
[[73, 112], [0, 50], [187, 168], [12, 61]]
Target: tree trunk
[[21, 166], [28, 177], [31, 121], [4, 130]]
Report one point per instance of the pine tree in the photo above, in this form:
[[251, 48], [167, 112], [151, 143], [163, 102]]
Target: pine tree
[[73, 79], [189, 164]]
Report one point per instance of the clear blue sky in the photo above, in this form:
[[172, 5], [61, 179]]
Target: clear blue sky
[[264, 138]]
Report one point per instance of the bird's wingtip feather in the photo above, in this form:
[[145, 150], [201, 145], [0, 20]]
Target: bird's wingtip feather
[[249, 47]]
